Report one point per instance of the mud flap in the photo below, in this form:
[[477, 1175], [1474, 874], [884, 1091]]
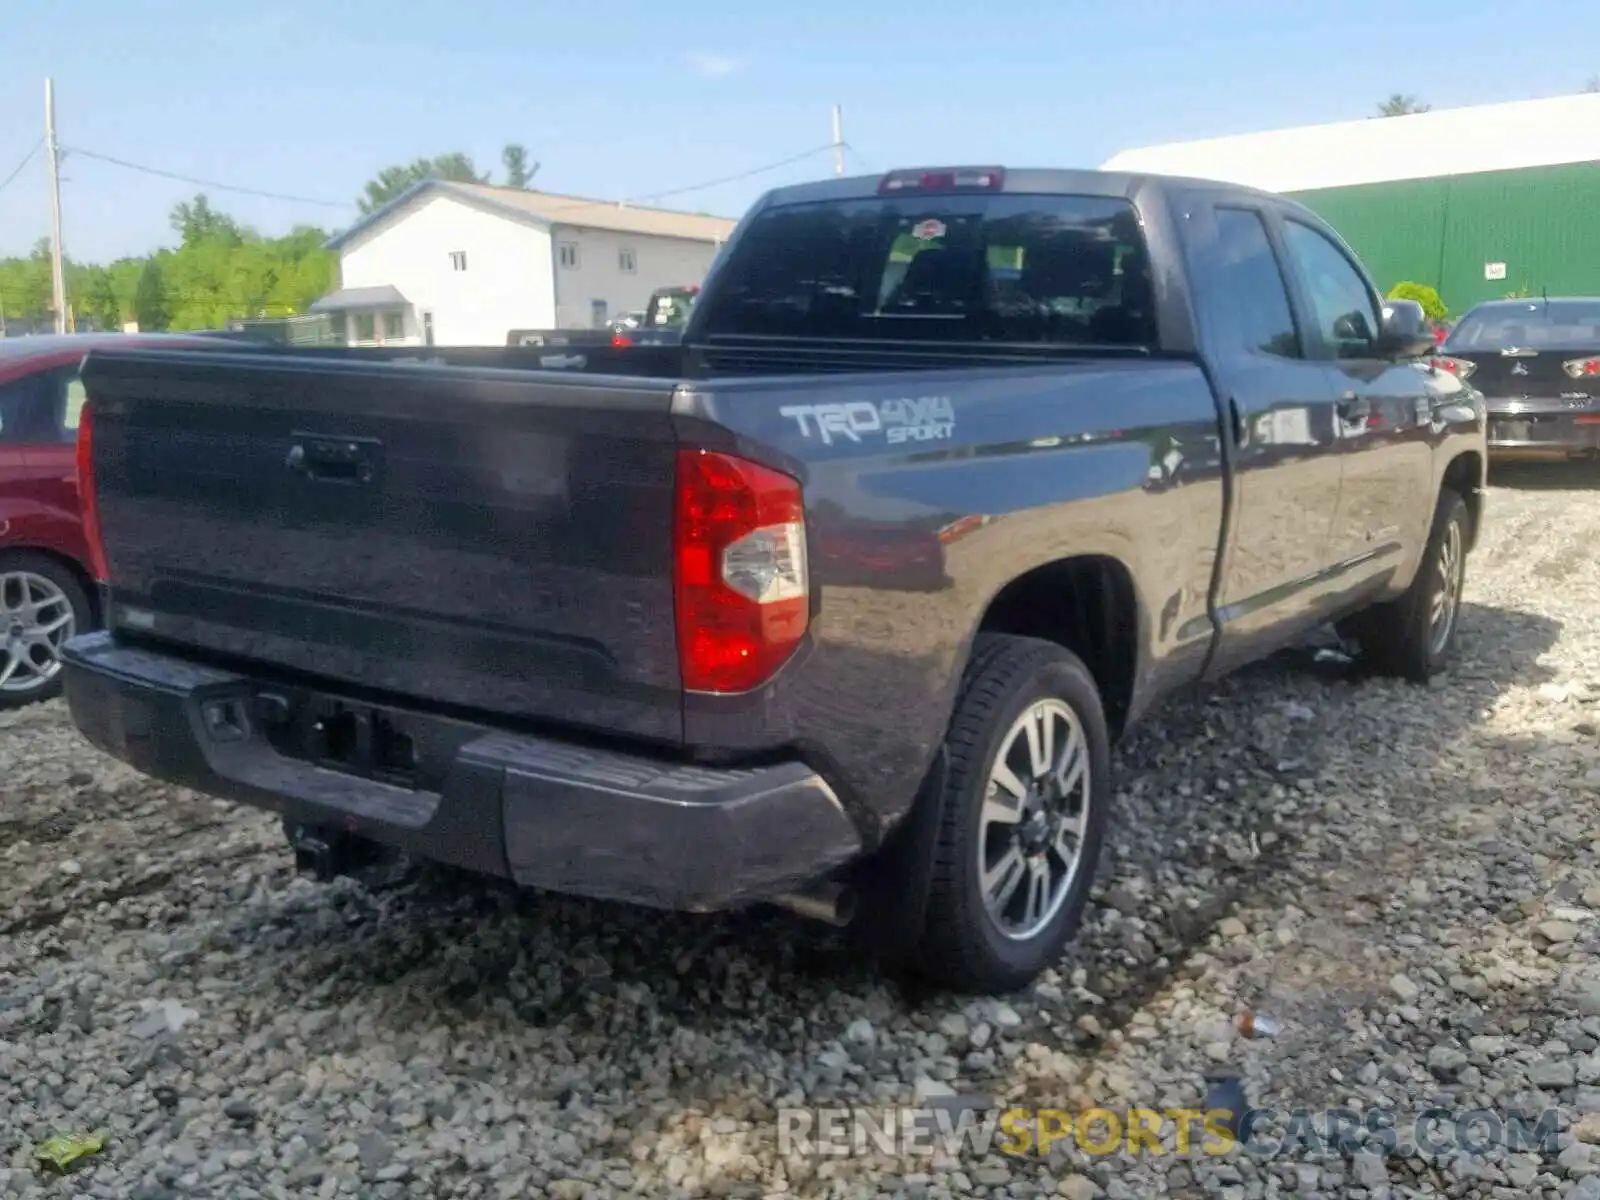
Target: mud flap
[[892, 885]]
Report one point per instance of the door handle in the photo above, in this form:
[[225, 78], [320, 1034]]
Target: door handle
[[1353, 408], [334, 459], [1241, 432]]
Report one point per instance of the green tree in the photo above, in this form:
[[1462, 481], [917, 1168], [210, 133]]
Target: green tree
[[519, 172], [1402, 105], [92, 296], [395, 181], [1433, 307], [124, 276], [150, 306], [25, 287], [195, 221], [219, 270]]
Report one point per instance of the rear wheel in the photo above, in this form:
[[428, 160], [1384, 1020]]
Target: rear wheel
[[1021, 817], [42, 604], [1414, 635]]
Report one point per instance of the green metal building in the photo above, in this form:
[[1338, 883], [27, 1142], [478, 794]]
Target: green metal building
[[1479, 203]]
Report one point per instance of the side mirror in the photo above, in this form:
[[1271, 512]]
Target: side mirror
[[1406, 333]]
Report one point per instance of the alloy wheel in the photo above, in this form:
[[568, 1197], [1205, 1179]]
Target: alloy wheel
[[1035, 812], [37, 619]]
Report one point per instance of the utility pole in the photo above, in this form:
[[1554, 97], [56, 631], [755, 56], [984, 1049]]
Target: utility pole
[[838, 140], [58, 280]]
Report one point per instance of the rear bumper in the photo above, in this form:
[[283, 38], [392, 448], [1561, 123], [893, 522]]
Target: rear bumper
[[1524, 434], [544, 813]]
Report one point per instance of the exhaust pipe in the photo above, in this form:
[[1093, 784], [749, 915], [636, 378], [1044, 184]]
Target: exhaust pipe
[[832, 903]]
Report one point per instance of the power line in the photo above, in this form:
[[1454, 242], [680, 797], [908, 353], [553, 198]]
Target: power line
[[578, 204], [742, 175], [856, 154], [246, 191], [26, 159], [207, 183]]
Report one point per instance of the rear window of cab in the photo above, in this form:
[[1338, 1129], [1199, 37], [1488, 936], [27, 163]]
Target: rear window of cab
[[996, 268]]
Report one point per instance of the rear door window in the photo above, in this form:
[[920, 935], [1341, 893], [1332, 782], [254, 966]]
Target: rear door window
[[1245, 287], [25, 415], [70, 411], [1068, 270]]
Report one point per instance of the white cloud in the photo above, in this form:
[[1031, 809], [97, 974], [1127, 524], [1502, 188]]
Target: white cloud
[[714, 64]]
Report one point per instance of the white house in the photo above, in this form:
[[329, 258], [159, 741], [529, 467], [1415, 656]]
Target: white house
[[461, 264]]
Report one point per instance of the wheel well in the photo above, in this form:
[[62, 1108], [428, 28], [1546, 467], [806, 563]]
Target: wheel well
[[1086, 605], [1464, 476], [67, 562]]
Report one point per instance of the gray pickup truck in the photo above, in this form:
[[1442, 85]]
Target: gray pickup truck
[[839, 604]]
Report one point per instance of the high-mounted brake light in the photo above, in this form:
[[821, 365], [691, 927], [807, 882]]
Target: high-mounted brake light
[[1459, 367], [741, 583], [621, 339], [1582, 368], [88, 502], [947, 179]]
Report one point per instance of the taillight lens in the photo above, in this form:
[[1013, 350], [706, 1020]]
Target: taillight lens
[[742, 585], [621, 339], [1456, 366], [944, 180], [1582, 368], [88, 503]]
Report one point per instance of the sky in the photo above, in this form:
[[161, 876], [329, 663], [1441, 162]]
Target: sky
[[623, 100]]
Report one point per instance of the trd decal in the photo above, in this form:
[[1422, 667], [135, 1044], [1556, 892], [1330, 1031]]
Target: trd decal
[[908, 419]]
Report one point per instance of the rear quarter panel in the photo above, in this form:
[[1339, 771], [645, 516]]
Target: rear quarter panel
[[39, 501], [1459, 427], [952, 484], [38, 480]]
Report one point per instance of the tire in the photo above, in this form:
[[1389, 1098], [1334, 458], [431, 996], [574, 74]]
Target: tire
[[23, 616], [967, 943], [1404, 637]]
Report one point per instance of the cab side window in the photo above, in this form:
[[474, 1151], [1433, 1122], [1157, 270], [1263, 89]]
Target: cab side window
[[1346, 311]]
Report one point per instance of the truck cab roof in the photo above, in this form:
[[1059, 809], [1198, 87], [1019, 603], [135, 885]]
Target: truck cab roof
[[1021, 181]]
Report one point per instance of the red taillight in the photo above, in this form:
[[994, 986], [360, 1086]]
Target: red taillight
[[741, 581], [1456, 366], [987, 179], [621, 339], [88, 502], [1582, 368]]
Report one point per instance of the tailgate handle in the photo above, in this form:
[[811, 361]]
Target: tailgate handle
[[334, 459]]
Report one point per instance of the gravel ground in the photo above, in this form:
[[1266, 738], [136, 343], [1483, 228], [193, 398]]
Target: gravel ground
[[1406, 879]]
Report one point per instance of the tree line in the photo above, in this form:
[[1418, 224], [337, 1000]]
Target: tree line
[[220, 269]]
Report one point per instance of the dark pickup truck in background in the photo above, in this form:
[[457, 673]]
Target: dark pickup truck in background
[[661, 324], [1070, 440]]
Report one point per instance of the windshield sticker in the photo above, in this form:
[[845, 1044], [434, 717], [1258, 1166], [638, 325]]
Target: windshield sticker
[[927, 231]]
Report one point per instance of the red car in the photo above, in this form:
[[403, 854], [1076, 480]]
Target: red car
[[46, 592]]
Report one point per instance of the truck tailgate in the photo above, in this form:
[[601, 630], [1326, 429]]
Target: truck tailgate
[[499, 540]]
